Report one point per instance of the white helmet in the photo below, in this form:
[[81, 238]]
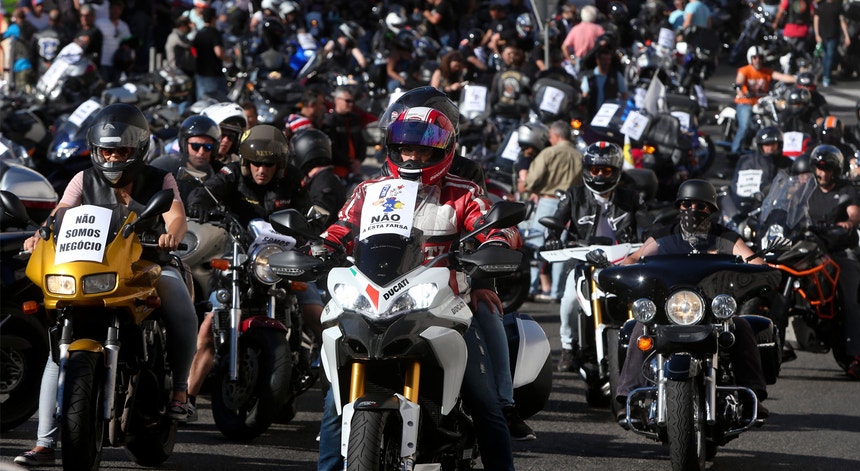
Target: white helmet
[[394, 22], [754, 51], [229, 116], [271, 5], [288, 7]]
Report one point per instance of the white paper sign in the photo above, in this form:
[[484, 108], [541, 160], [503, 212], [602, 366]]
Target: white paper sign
[[474, 99], [639, 97], [604, 115], [792, 142], [552, 100], [83, 111], [266, 234], [634, 125], [666, 38], [389, 208], [683, 118], [52, 75], [749, 182], [512, 148], [83, 236], [132, 88]]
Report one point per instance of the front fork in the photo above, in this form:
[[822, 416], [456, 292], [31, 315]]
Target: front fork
[[235, 313], [709, 370]]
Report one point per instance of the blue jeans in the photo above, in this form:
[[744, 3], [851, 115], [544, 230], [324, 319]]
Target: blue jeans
[[46, 432], [491, 428], [744, 113], [545, 207], [827, 62], [568, 311], [214, 87]]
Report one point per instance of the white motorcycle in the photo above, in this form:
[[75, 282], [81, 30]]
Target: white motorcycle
[[393, 345]]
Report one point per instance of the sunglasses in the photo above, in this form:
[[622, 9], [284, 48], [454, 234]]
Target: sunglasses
[[196, 146], [348, 100], [122, 152], [690, 204], [263, 164], [596, 171]]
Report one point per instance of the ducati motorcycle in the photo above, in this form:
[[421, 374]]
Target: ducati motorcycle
[[691, 402], [598, 325], [115, 384], [393, 345]]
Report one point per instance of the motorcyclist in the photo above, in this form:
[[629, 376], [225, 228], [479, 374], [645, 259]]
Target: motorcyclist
[[695, 232], [807, 80], [323, 189], [118, 141], [835, 203], [831, 131], [420, 141], [599, 212], [344, 50], [261, 182], [199, 137], [799, 115], [232, 121]]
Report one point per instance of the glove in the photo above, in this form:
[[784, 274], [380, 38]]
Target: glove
[[495, 243], [200, 212], [597, 257], [552, 243]]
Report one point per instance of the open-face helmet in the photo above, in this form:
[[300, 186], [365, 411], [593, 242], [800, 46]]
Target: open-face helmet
[[197, 126], [831, 130], [697, 190], [535, 135], [766, 136], [827, 157], [264, 144]]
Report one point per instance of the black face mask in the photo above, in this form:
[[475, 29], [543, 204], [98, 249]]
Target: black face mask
[[695, 221]]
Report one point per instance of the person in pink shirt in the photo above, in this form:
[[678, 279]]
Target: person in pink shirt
[[583, 36]]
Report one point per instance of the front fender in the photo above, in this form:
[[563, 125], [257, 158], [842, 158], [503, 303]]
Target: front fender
[[261, 322], [680, 367]]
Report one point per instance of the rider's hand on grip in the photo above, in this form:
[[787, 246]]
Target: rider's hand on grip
[[200, 212], [597, 257], [552, 243]]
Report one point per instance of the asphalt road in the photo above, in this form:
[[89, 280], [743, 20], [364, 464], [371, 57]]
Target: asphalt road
[[814, 410]]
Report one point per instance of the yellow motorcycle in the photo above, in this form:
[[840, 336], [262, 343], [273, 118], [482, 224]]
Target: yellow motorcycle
[[115, 384]]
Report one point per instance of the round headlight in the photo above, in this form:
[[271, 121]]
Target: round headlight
[[644, 310], [724, 306], [685, 308], [260, 260]]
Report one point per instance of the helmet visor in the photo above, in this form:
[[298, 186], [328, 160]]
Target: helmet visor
[[418, 133]]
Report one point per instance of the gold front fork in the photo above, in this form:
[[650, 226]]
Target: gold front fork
[[356, 381], [413, 378], [596, 308]]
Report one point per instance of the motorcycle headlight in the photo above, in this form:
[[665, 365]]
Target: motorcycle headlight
[[60, 284], [61, 154], [100, 283], [685, 308], [260, 263], [414, 299], [724, 306], [352, 300], [644, 310]]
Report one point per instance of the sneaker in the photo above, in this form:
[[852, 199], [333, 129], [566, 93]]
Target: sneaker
[[178, 410], [36, 458], [853, 369], [517, 427], [192, 412], [825, 83], [544, 298]]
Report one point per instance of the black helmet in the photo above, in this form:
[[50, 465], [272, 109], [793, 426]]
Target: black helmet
[[800, 165], [827, 157], [351, 30], [474, 37], [428, 96], [524, 25], [799, 97], [197, 126], [597, 157], [405, 40], [264, 143], [697, 190], [769, 135], [533, 135], [831, 130], [311, 148], [806, 80], [618, 13], [273, 32], [119, 126]]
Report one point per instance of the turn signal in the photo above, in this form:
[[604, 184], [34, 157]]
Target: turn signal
[[645, 343], [220, 264], [575, 123], [649, 149], [153, 302], [30, 307]]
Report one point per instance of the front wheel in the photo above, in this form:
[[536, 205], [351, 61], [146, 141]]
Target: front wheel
[[22, 361], [245, 408], [685, 425], [82, 422], [613, 365], [374, 442]]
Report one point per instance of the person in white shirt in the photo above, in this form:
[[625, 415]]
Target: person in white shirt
[[114, 30]]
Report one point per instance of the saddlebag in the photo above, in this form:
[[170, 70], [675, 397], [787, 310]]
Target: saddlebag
[[531, 366], [767, 338]]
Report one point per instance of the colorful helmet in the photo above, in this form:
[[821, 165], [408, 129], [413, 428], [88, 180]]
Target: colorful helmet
[[754, 51], [799, 96], [197, 126], [424, 127], [597, 157], [264, 143], [119, 126], [827, 157], [430, 97], [311, 148], [533, 135], [525, 25], [831, 130], [769, 135], [697, 190], [351, 30]]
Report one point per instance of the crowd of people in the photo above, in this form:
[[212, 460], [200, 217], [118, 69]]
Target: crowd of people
[[312, 159]]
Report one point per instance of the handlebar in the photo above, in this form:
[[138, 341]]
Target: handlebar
[[150, 241]]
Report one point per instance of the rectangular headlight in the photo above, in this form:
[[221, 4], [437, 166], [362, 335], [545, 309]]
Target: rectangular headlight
[[99, 283], [60, 284]]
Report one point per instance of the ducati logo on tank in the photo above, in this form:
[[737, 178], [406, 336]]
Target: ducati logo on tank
[[83, 236], [389, 208]]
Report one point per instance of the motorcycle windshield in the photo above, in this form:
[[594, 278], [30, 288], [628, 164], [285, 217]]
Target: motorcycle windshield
[[118, 216], [386, 257], [784, 209]]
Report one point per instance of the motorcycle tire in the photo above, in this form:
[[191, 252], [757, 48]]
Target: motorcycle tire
[[23, 349], [81, 423], [246, 408], [152, 433], [374, 441], [614, 368], [685, 425]]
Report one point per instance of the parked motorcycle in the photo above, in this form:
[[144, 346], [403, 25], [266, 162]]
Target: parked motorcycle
[[393, 346], [598, 325], [69, 152], [115, 384], [686, 303], [66, 85]]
